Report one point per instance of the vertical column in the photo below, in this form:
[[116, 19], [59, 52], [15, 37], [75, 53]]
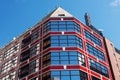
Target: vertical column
[[41, 49]]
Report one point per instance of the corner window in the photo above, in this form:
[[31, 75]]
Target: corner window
[[64, 58], [61, 26], [63, 41], [65, 75]]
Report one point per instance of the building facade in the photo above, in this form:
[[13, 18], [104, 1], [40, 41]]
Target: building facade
[[114, 59], [59, 47]]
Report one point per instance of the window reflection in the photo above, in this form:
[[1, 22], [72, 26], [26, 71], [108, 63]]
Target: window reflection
[[64, 58], [97, 67], [97, 53], [93, 38], [65, 75], [61, 26], [63, 41]]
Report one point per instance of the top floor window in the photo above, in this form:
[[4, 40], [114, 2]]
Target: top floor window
[[93, 38], [61, 26], [11, 51]]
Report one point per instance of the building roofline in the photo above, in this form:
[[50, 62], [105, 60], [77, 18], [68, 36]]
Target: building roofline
[[51, 15]]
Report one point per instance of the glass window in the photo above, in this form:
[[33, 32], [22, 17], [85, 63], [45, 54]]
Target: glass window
[[46, 43], [61, 26], [73, 57], [55, 63], [64, 58], [46, 76], [63, 53], [36, 78], [65, 72], [74, 62], [75, 72], [11, 51], [55, 77], [65, 75], [29, 68], [65, 40], [55, 73], [93, 38], [53, 22], [35, 35], [1, 57], [33, 66], [9, 65], [97, 67], [57, 53], [95, 52], [94, 78], [10, 76], [30, 38], [34, 50], [54, 58], [75, 77]]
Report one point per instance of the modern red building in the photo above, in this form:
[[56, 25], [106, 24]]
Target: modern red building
[[59, 47]]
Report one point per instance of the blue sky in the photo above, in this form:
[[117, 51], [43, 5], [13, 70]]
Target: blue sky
[[16, 16]]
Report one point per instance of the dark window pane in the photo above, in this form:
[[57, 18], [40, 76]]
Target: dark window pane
[[95, 66], [94, 78]]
